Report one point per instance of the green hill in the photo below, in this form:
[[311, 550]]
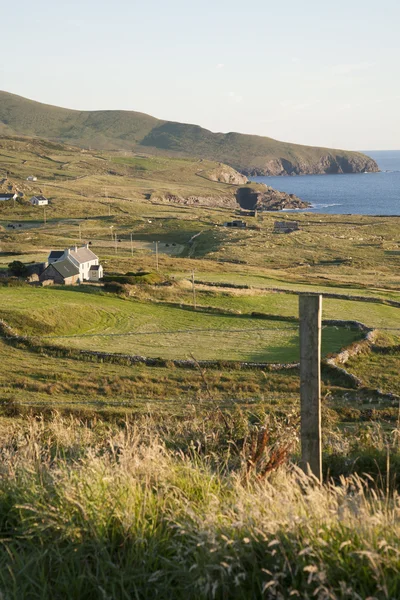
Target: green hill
[[138, 132]]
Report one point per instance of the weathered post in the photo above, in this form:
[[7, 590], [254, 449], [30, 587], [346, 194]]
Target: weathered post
[[193, 291], [157, 256], [310, 309]]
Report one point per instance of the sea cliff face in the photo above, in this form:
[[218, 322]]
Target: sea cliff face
[[327, 164], [264, 198], [268, 199]]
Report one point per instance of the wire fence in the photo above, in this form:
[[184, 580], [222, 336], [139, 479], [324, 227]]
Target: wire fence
[[178, 331]]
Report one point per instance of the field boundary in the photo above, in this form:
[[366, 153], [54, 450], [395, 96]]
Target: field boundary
[[278, 290]]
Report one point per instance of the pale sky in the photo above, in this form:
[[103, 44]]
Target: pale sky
[[311, 72]]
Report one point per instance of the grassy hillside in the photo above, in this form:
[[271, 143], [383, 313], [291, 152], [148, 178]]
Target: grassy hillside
[[128, 130]]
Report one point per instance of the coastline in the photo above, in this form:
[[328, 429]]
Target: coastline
[[350, 193]]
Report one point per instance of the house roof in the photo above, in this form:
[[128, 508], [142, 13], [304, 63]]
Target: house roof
[[56, 254], [94, 268], [7, 196], [40, 198], [66, 268], [83, 254]]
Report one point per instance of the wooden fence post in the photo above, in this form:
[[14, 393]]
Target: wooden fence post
[[310, 310]]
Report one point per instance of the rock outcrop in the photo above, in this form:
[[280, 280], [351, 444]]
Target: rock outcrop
[[224, 174], [327, 164], [268, 199], [210, 201]]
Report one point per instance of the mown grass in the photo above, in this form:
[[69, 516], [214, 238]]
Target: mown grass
[[143, 510], [154, 329]]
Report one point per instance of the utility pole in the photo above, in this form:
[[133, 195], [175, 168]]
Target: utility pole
[[194, 291], [115, 239], [157, 256], [109, 205], [310, 311], [131, 246], [80, 233]]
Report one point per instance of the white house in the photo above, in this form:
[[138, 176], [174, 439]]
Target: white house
[[31, 178], [83, 258], [39, 201], [4, 197]]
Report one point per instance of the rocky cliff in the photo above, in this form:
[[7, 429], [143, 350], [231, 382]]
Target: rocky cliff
[[262, 197], [327, 164], [266, 198]]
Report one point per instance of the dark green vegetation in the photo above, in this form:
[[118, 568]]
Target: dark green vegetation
[[126, 130]]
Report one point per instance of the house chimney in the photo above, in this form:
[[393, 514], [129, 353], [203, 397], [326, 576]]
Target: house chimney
[[75, 248]]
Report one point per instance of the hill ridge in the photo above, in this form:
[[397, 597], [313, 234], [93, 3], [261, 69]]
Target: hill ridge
[[136, 131]]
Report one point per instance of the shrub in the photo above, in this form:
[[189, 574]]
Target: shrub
[[17, 268]]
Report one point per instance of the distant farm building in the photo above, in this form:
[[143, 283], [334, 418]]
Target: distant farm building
[[73, 265], [237, 223], [4, 197], [31, 178], [286, 226], [248, 213], [39, 201]]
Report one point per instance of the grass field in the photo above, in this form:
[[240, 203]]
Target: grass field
[[104, 322]]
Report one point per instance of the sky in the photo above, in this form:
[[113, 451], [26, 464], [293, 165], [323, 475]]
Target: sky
[[311, 72]]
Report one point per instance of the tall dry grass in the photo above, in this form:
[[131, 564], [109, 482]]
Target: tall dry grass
[[95, 510]]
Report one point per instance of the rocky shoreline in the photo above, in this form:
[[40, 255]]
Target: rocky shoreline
[[267, 198], [329, 164]]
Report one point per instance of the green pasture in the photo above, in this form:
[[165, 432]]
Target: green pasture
[[61, 382], [153, 329], [280, 304]]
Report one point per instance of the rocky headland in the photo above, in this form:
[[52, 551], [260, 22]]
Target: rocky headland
[[266, 198], [327, 164], [248, 198]]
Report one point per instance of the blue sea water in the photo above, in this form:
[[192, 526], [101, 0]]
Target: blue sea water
[[356, 193]]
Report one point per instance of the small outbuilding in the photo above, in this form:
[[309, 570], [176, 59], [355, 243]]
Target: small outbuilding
[[31, 178], [237, 223], [286, 226], [39, 201], [62, 272], [4, 197], [95, 273]]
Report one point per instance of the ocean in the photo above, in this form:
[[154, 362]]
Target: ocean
[[357, 193]]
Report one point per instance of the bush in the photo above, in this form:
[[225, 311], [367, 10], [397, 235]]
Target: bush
[[131, 278], [17, 268]]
